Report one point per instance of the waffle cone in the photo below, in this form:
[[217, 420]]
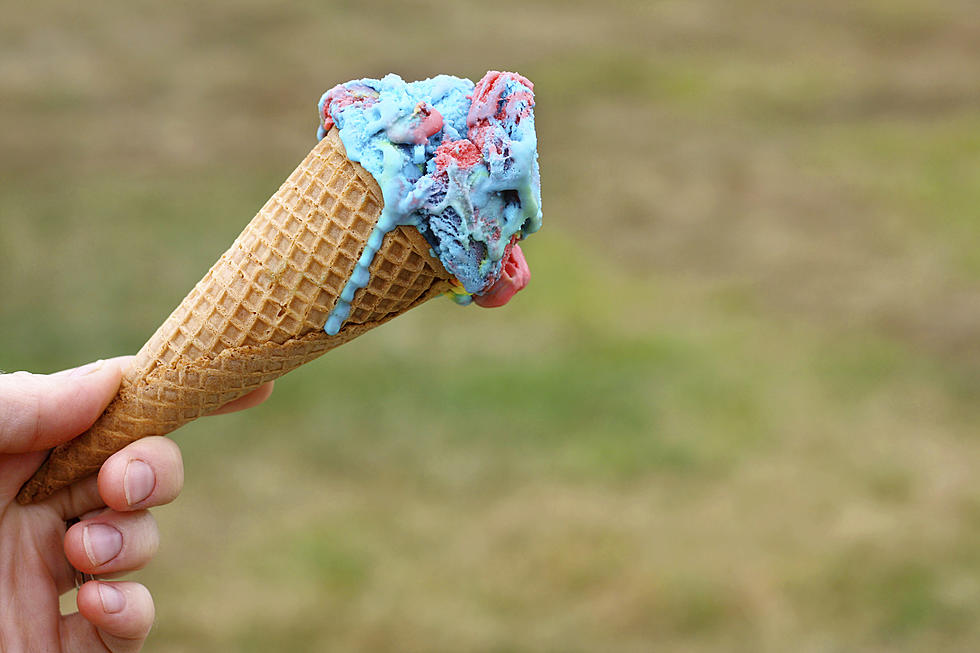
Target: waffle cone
[[259, 312]]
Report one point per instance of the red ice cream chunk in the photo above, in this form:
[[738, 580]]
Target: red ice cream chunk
[[513, 278], [490, 110], [463, 152], [487, 98], [341, 96], [429, 123], [417, 128]]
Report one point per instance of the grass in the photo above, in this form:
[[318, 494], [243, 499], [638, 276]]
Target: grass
[[736, 409]]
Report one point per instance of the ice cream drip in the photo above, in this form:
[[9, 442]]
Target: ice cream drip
[[456, 160]]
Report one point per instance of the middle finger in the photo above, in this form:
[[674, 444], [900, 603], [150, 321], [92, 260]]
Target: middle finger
[[146, 473]]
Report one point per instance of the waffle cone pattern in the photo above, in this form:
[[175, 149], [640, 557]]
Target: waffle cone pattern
[[259, 311]]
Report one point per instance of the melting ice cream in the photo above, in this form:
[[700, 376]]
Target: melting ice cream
[[458, 161]]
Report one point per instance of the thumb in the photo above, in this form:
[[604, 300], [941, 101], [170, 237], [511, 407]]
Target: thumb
[[39, 411]]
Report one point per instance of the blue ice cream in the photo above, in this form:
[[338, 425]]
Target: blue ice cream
[[456, 160]]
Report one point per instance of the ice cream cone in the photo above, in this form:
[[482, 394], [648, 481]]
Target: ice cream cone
[[259, 312]]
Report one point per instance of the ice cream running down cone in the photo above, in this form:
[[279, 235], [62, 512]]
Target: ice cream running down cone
[[259, 311], [330, 256]]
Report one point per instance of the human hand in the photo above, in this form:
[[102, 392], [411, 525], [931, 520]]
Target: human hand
[[116, 534]]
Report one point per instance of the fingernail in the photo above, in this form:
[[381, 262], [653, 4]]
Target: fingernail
[[113, 600], [102, 543], [83, 370], [138, 481]]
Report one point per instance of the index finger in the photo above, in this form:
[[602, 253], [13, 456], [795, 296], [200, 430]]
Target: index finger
[[39, 411]]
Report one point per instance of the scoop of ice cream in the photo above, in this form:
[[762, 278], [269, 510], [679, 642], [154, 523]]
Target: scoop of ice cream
[[456, 160]]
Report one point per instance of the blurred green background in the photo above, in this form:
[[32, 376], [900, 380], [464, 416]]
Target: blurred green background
[[736, 410]]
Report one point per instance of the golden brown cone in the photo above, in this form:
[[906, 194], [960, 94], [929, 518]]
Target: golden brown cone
[[259, 311]]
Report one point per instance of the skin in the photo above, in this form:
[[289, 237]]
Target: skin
[[37, 554]]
